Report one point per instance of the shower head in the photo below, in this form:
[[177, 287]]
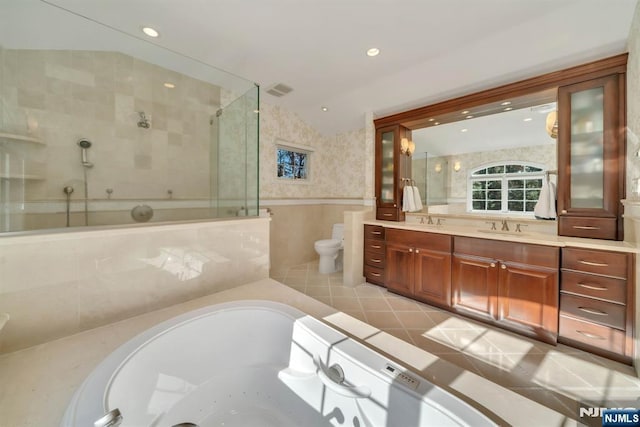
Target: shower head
[[84, 143]]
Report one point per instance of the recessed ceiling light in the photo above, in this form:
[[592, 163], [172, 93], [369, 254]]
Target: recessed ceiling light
[[169, 85], [465, 112], [325, 109], [464, 130], [374, 51], [506, 103], [508, 109], [150, 32], [469, 117], [528, 119]]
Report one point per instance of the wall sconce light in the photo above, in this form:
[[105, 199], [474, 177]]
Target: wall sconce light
[[457, 166], [552, 124], [438, 168], [407, 147]]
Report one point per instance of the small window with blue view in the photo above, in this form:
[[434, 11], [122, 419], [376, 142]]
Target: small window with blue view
[[292, 164]]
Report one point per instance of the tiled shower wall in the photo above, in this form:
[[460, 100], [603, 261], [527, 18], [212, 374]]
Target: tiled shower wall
[[60, 96], [59, 284]]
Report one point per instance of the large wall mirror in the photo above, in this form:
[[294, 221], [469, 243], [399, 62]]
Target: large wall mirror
[[505, 137]]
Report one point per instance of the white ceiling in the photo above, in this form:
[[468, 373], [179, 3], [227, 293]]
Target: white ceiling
[[430, 49], [524, 127]]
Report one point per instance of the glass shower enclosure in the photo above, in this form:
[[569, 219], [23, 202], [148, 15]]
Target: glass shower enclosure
[[100, 127]]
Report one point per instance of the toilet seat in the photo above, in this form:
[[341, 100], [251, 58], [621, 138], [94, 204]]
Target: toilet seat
[[329, 243]]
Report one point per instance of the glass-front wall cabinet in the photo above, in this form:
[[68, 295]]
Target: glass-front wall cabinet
[[391, 168], [590, 158]]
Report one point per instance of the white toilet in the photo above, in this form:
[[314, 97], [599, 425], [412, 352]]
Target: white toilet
[[330, 250]]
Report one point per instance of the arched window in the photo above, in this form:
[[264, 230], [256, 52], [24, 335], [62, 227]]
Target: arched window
[[508, 187]]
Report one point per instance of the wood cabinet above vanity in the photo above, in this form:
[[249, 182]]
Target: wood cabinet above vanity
[[591, 142]]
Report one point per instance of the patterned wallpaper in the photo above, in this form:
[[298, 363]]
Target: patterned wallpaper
[[337, 165]]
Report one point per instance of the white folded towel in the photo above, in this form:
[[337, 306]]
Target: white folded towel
[[408, 204], [546, 206], [417, 201]]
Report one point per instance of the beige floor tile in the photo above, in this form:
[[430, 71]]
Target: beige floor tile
[[445, 320], [415, 320], [399, 333], [346, 303], [470, 341], [368, 291], [383, 319], [317, 281], [358, 314], [342, 291], [402, 304], [435, 343], [323, 299], [375, 304], [318, 291]]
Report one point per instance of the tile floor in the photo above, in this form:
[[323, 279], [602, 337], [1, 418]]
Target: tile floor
[[559, 377]]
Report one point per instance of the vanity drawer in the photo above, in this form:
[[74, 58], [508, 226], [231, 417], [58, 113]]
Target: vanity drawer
[[598, 262], [388, 214], [374, 259], [596, 311], [374, 275], [591, 334], [607, 288], [373, 232], [374, 246], [589, 227]]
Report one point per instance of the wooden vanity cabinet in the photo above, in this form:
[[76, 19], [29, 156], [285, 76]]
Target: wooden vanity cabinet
[[419, 265], [508, 284], [374, 254], [597, 302], [591, 157], [390, 167]]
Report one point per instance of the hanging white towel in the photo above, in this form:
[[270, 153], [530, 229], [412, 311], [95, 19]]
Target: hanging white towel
[[407, 199], [546, 206], [417, 201]]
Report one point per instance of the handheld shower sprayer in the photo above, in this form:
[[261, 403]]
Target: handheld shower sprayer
[[84, 145]]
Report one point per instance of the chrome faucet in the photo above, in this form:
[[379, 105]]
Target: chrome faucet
[[440, 221], [429, 220], [518, 227], [505, 225], [113, 418], [493, 225]]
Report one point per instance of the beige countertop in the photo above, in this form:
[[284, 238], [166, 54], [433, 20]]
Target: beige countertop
[[38, 382], [511, 236]]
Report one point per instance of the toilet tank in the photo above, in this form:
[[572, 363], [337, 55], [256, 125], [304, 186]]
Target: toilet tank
[[337, 233]]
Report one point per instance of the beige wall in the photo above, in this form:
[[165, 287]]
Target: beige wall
[[295, 228], [54, 285]]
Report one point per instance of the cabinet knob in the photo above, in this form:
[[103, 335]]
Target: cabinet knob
[[504, 267], [410, 249], [417, 251], [493, 264], [563, 211]]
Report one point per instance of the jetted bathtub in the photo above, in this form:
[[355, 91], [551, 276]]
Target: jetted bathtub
[[258, 363]]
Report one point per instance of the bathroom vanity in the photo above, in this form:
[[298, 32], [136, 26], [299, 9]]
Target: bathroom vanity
[[579, 292]]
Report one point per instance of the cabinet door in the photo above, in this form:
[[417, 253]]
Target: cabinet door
[[390, 167], [399, 268], [528, 300], [474, 285], [590, 168], [432, 276]]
